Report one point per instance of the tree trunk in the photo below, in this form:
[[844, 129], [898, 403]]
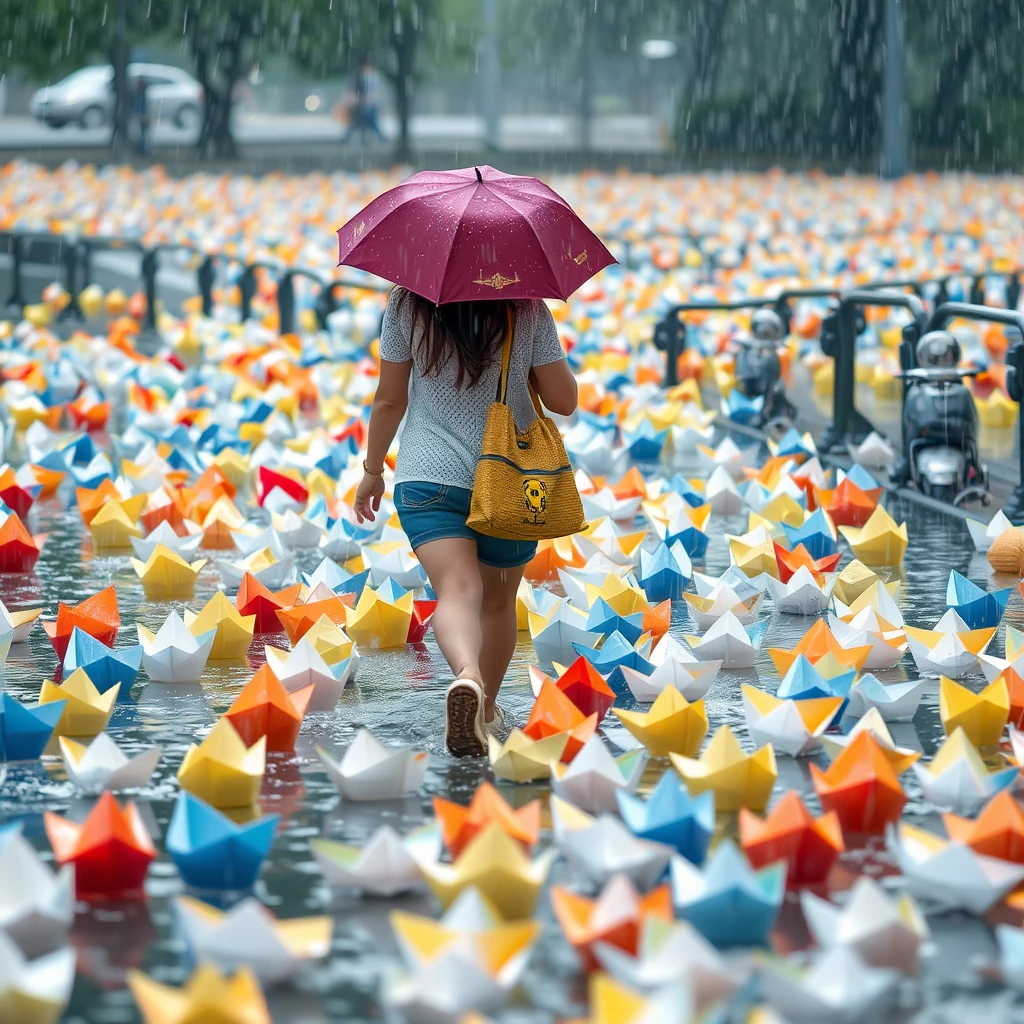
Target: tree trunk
[[586, 52], [853, 114], [119, 60], [403, 42], [710, 16], [216, 139]]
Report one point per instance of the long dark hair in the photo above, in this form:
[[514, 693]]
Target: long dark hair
[[470, 332]]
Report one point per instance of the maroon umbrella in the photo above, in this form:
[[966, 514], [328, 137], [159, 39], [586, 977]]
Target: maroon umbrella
[[473, 233]]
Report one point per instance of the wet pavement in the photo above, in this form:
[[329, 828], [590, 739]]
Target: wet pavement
[[399, 695]]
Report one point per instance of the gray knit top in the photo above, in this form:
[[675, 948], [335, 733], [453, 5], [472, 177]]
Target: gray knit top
[[440, 438]]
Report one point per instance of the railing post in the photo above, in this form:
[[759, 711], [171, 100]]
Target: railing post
[[325, 304], [286, 303], [71, 251], [247, 290], [670, 338], [1015, 386], [150, 264], [16, 253], [206, 274]]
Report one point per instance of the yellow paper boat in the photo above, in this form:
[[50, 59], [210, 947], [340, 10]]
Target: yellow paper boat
[[982, 716], [422, 939], [672, 726], [622, 598], [332, 643], [754, 559], [112, 529], [166, 576], [996, 410], [521, 759], [784, 508], [208, 997], [737, 779], [87, 711], [222, 770], [376, 622], [234, 631], [879, 541], [495, 864], [854, 580], [219, 522]]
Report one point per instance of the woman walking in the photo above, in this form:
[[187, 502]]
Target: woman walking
[[475, 251]]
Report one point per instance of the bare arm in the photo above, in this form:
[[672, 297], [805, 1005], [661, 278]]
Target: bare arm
[[389, 405], [556, 386]]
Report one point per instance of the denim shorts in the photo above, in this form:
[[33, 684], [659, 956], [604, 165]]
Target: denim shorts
[[437, 511]]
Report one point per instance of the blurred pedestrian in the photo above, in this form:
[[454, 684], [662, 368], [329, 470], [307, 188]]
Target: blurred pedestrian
[[140, 112], [362, 102]]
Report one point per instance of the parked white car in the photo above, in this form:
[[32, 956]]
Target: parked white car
[[86, 97]]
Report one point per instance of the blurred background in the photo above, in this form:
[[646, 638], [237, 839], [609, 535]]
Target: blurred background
[[839, 84]]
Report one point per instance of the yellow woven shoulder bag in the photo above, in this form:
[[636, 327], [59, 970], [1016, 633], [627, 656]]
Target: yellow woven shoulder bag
[[524, 487]]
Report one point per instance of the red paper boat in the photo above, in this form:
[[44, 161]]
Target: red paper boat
[[19, 550], [266, 708], [255, 599], [789, 561], [422, 611], [586, 688], [14, 495], [111, 851], [268, 479]]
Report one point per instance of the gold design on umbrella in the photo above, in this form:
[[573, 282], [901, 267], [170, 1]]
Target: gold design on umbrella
[[581, 259], [496, 280], [358, 230]]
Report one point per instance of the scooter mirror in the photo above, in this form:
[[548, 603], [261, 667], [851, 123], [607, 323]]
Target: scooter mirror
[[767, 325], [938, 349]]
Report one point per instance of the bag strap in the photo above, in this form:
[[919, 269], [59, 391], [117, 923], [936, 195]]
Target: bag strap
[[506, 354], [506, 357]]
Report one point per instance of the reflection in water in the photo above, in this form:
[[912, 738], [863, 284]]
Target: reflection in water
[[399, 695]]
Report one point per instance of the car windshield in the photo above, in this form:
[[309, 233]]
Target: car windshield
[[86, 75]]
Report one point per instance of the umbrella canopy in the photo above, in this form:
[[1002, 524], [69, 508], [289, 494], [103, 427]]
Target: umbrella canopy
[[473, 233]]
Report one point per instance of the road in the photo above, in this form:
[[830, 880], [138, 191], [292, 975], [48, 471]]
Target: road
[[632, 133]]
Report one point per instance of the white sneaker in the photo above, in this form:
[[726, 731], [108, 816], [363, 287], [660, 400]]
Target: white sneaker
[[464, 734], [496, 727]]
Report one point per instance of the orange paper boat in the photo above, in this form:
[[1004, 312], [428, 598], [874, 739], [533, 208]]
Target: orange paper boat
[[266, 708], [460, 824], [789, 561], [553, 712], [614, 918], [848, 505], [815, 644], [98, 616], [861, 787], [19, 550], [808, 845], [299, 620], [998, 831]]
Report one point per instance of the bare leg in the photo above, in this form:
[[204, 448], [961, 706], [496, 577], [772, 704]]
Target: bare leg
[[498, 628], [453, 571]]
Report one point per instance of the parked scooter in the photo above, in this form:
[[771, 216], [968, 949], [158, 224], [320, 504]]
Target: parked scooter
[[759, 371], [940, 426]]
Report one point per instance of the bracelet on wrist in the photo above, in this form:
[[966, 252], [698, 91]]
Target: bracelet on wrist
[[370, 472]]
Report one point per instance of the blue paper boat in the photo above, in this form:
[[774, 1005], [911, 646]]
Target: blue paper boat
[[645, 443], [603, 618], [728, 902], [613, 654], [740, 409], [671, 816], [793, 445], [694, 541], [978, 608], [804, 682], [211, 851], [861, 478], [662, 578], [681, 486], [25, 729], [814, 534], [390, 591], [105, 666]]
